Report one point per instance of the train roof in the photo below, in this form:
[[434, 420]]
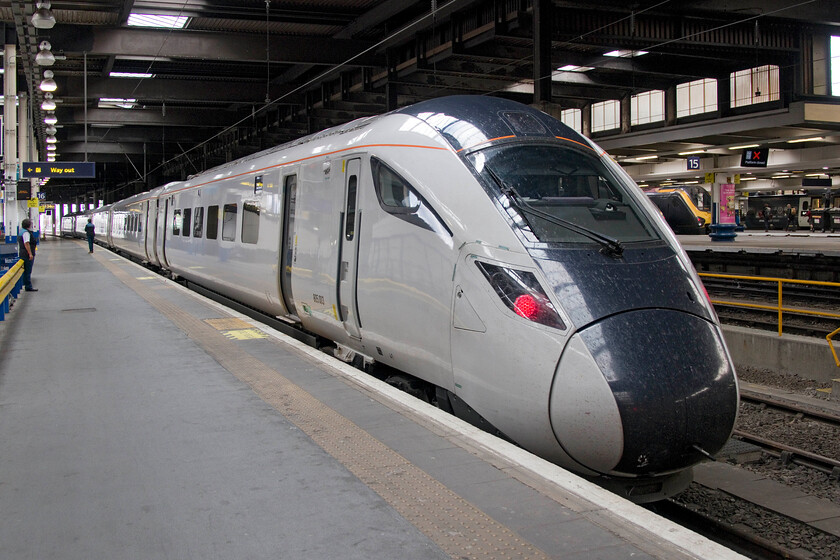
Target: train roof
[[469, 121], [466, 121]]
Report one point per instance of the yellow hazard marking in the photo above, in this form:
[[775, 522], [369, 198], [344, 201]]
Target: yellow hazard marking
[[227, 324], [826, 390], [245, 334]]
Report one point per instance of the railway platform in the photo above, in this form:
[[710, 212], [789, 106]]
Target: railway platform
[[140, 420], [800, 243]]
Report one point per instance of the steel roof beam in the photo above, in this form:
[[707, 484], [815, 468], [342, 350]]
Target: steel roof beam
[[185, 44]]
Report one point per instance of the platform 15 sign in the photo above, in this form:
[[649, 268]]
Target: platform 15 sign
[[69, 169]]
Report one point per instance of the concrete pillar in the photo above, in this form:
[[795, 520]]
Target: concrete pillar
[[10, 209]]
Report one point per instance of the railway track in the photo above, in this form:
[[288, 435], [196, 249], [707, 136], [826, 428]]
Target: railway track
[[768, 529], [801, 298], [790, 453], [737, 538]]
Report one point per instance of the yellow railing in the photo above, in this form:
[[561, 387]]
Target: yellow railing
[[779, 307], [8, 282]]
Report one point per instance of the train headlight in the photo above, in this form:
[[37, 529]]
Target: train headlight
[[521, 293]]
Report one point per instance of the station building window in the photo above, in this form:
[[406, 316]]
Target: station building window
[[754, 85], [606, 115], [647, 107], [697, 97], [573, 119]]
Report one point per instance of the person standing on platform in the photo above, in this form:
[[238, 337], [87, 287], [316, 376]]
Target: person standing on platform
[[26, 248], [768, 213], [790, 214], [89, 231]]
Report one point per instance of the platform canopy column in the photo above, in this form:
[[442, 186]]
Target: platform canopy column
[[543, 13]]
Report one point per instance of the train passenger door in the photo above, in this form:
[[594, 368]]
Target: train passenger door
[[146, 234], [348, 249], [287, 242], [152, 234], [162, 226]]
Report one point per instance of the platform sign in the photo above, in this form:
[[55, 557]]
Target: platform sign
[[754, 157], [68, 169], [692, 163]]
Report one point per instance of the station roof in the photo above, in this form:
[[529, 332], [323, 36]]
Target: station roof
[[244, 75]]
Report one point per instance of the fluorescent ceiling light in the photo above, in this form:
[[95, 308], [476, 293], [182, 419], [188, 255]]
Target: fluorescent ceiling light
[[691, 152], [152, 20], [798, 140], [574, 68], [117, 103], [640, 158], [743, 147], [625, 54], [131, 75], [748, 179], [815, 174]]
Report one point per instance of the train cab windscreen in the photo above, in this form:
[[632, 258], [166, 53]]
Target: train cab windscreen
[[563, 195]]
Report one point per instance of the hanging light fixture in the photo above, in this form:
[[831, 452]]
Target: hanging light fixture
[[51, 130], [51, 139], [50, 147], [50, 119], [50, 157], [48, 84], [48, 104], [43, 17], [45, 57]]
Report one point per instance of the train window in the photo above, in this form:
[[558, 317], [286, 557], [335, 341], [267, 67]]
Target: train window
[[229, 223], [212, 222], [250, 222], [397, 197], [176, 223], [563, 194], [185, 228], [350, 214], [199, 222]]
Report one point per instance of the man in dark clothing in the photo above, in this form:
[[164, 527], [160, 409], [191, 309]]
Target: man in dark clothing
[[89, 231], [26, 250], [768, 213]]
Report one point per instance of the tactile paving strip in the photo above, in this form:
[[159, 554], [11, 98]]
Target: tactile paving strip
[[227, 323], [458, 527]]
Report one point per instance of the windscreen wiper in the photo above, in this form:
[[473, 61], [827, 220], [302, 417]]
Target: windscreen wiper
[[609, 245]]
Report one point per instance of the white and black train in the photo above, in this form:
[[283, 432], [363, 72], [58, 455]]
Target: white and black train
[[484, 248]]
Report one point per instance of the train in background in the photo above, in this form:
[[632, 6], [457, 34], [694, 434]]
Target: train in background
[[823, 205], [490, 258], [686, 208]]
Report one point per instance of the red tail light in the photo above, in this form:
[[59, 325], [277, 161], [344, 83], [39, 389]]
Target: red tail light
[[521, 292]]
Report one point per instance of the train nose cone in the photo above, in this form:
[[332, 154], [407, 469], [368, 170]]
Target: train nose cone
[[638, 392]]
